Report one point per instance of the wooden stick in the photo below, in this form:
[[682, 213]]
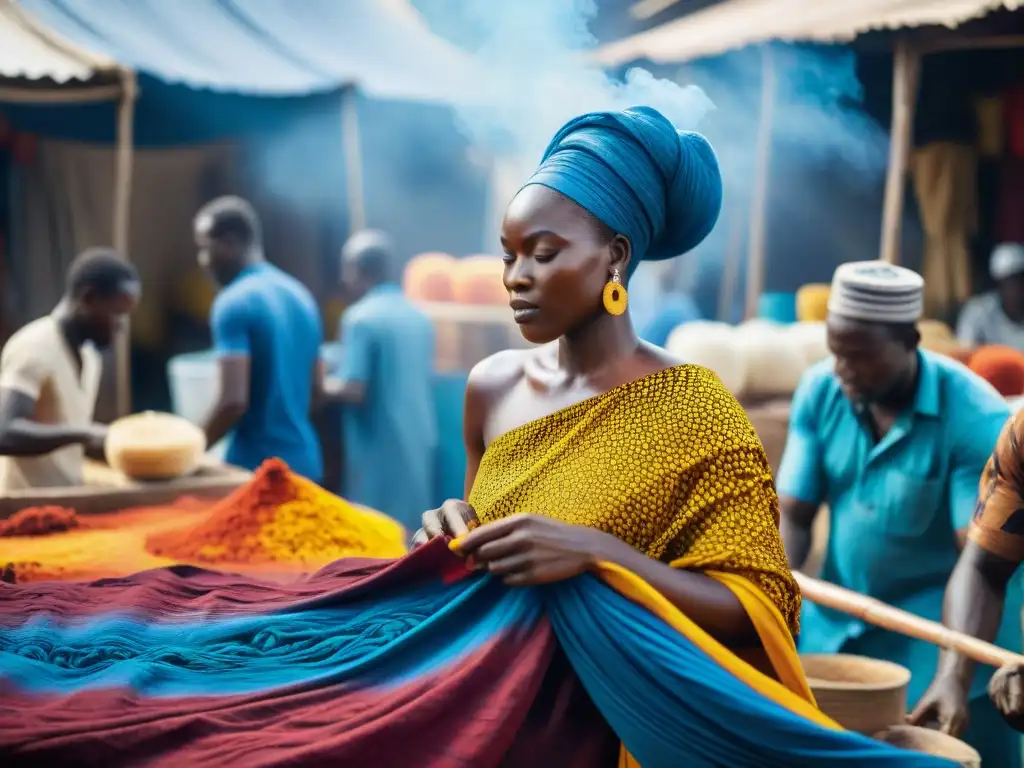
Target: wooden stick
[[756, 245], [731, 268], [906, 67], [353, 147], [879, 614], [122, 224]]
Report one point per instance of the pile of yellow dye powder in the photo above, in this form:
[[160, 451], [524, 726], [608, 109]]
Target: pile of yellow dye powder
[[280, 517]]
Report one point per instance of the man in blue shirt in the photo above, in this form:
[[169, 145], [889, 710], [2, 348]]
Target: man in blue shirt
[[267, 332], [385, 382], [894, 440]]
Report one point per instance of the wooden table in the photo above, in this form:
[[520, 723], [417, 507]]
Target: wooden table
[[106, 490]]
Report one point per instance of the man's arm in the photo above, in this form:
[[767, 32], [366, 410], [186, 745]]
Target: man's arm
[[22, 375], [977, 588], [970, 326], [974, 605], [230, 328], [349, 385], [800, 480], [21, 436]]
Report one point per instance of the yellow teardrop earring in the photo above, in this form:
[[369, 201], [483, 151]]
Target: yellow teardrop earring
[[615, 296]]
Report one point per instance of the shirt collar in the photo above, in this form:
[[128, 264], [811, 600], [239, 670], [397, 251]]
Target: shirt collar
[[926, 402], [383, 289]]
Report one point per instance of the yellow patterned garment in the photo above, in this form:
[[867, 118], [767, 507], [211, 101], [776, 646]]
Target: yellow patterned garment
[[669, 463]]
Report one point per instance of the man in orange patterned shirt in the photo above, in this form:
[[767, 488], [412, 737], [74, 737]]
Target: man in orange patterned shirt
[[978, 588]]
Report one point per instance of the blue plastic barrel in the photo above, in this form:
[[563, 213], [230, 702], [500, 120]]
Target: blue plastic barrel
[[777, 307]]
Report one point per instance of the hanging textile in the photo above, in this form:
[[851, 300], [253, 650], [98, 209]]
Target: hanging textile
[[945, 179]]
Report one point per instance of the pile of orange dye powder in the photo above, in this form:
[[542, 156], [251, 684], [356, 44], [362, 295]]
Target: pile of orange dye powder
[[282, 518]]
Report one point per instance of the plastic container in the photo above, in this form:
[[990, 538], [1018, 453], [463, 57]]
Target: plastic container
[[194, 384], [777, 307]]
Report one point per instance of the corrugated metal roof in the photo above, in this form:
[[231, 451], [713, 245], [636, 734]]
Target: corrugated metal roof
[[269, 47], [26, 52], [738, 23]]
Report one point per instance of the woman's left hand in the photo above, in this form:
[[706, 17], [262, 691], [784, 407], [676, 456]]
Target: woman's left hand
[[531, 549]]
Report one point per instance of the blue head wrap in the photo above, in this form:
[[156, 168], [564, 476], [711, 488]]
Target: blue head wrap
[[635, 172]]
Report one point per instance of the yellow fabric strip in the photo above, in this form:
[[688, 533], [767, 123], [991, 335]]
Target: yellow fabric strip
[[793, 693]]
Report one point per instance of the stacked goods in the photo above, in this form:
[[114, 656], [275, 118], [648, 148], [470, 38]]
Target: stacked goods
[[478, 280], [428, 277], [938, 337], [812, 303], [811, 338], [279, 517], [154, 446], [759, 359], [1002, 367], [772, 363], [713, 346]]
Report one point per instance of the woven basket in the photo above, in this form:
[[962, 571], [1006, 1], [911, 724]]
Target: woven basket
[[861, 694], [930, 743]]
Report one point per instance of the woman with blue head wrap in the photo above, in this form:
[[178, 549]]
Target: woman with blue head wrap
[[596, 451], [596, 446]]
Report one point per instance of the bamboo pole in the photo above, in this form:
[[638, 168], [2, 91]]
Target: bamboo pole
[[353, 147], [906, 71], [122, 223], [731, 267], [756, 245], [885, 616]]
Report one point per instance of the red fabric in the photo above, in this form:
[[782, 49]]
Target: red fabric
[[514, 702]]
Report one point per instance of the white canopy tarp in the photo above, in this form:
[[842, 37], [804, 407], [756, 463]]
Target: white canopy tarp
[[735, 24]]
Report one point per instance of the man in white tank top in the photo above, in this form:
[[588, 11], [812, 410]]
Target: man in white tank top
[[50, 372]]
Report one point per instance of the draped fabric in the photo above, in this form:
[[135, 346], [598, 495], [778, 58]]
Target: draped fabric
[[668, 463], [412, 662], [945, 179]]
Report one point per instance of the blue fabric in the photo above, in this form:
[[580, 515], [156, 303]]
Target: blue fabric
[[271, 318], [673, 310], [635, 172], [273, 47], [669, 701], [389, 346], [894, 507]]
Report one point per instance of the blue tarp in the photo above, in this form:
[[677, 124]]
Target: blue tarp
[[265, 47]]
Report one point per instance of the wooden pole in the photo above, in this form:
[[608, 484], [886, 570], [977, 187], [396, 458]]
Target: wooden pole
[[893, 619], [122, 223], [353, 148], [731, 267], [906, 70], [762, 170]]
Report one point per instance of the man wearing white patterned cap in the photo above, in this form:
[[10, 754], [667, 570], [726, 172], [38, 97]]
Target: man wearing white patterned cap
[[893, 439], [997, 317]]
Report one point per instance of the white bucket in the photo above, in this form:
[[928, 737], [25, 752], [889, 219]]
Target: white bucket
[[194, 383]]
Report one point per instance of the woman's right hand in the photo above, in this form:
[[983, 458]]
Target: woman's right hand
[[454, 518]]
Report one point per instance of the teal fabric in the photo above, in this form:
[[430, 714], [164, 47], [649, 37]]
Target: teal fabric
[[635, 172], [391, 438], [894, 507]]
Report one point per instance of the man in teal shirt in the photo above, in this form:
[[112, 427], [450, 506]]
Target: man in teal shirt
[[385, 383], [894, 440]]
